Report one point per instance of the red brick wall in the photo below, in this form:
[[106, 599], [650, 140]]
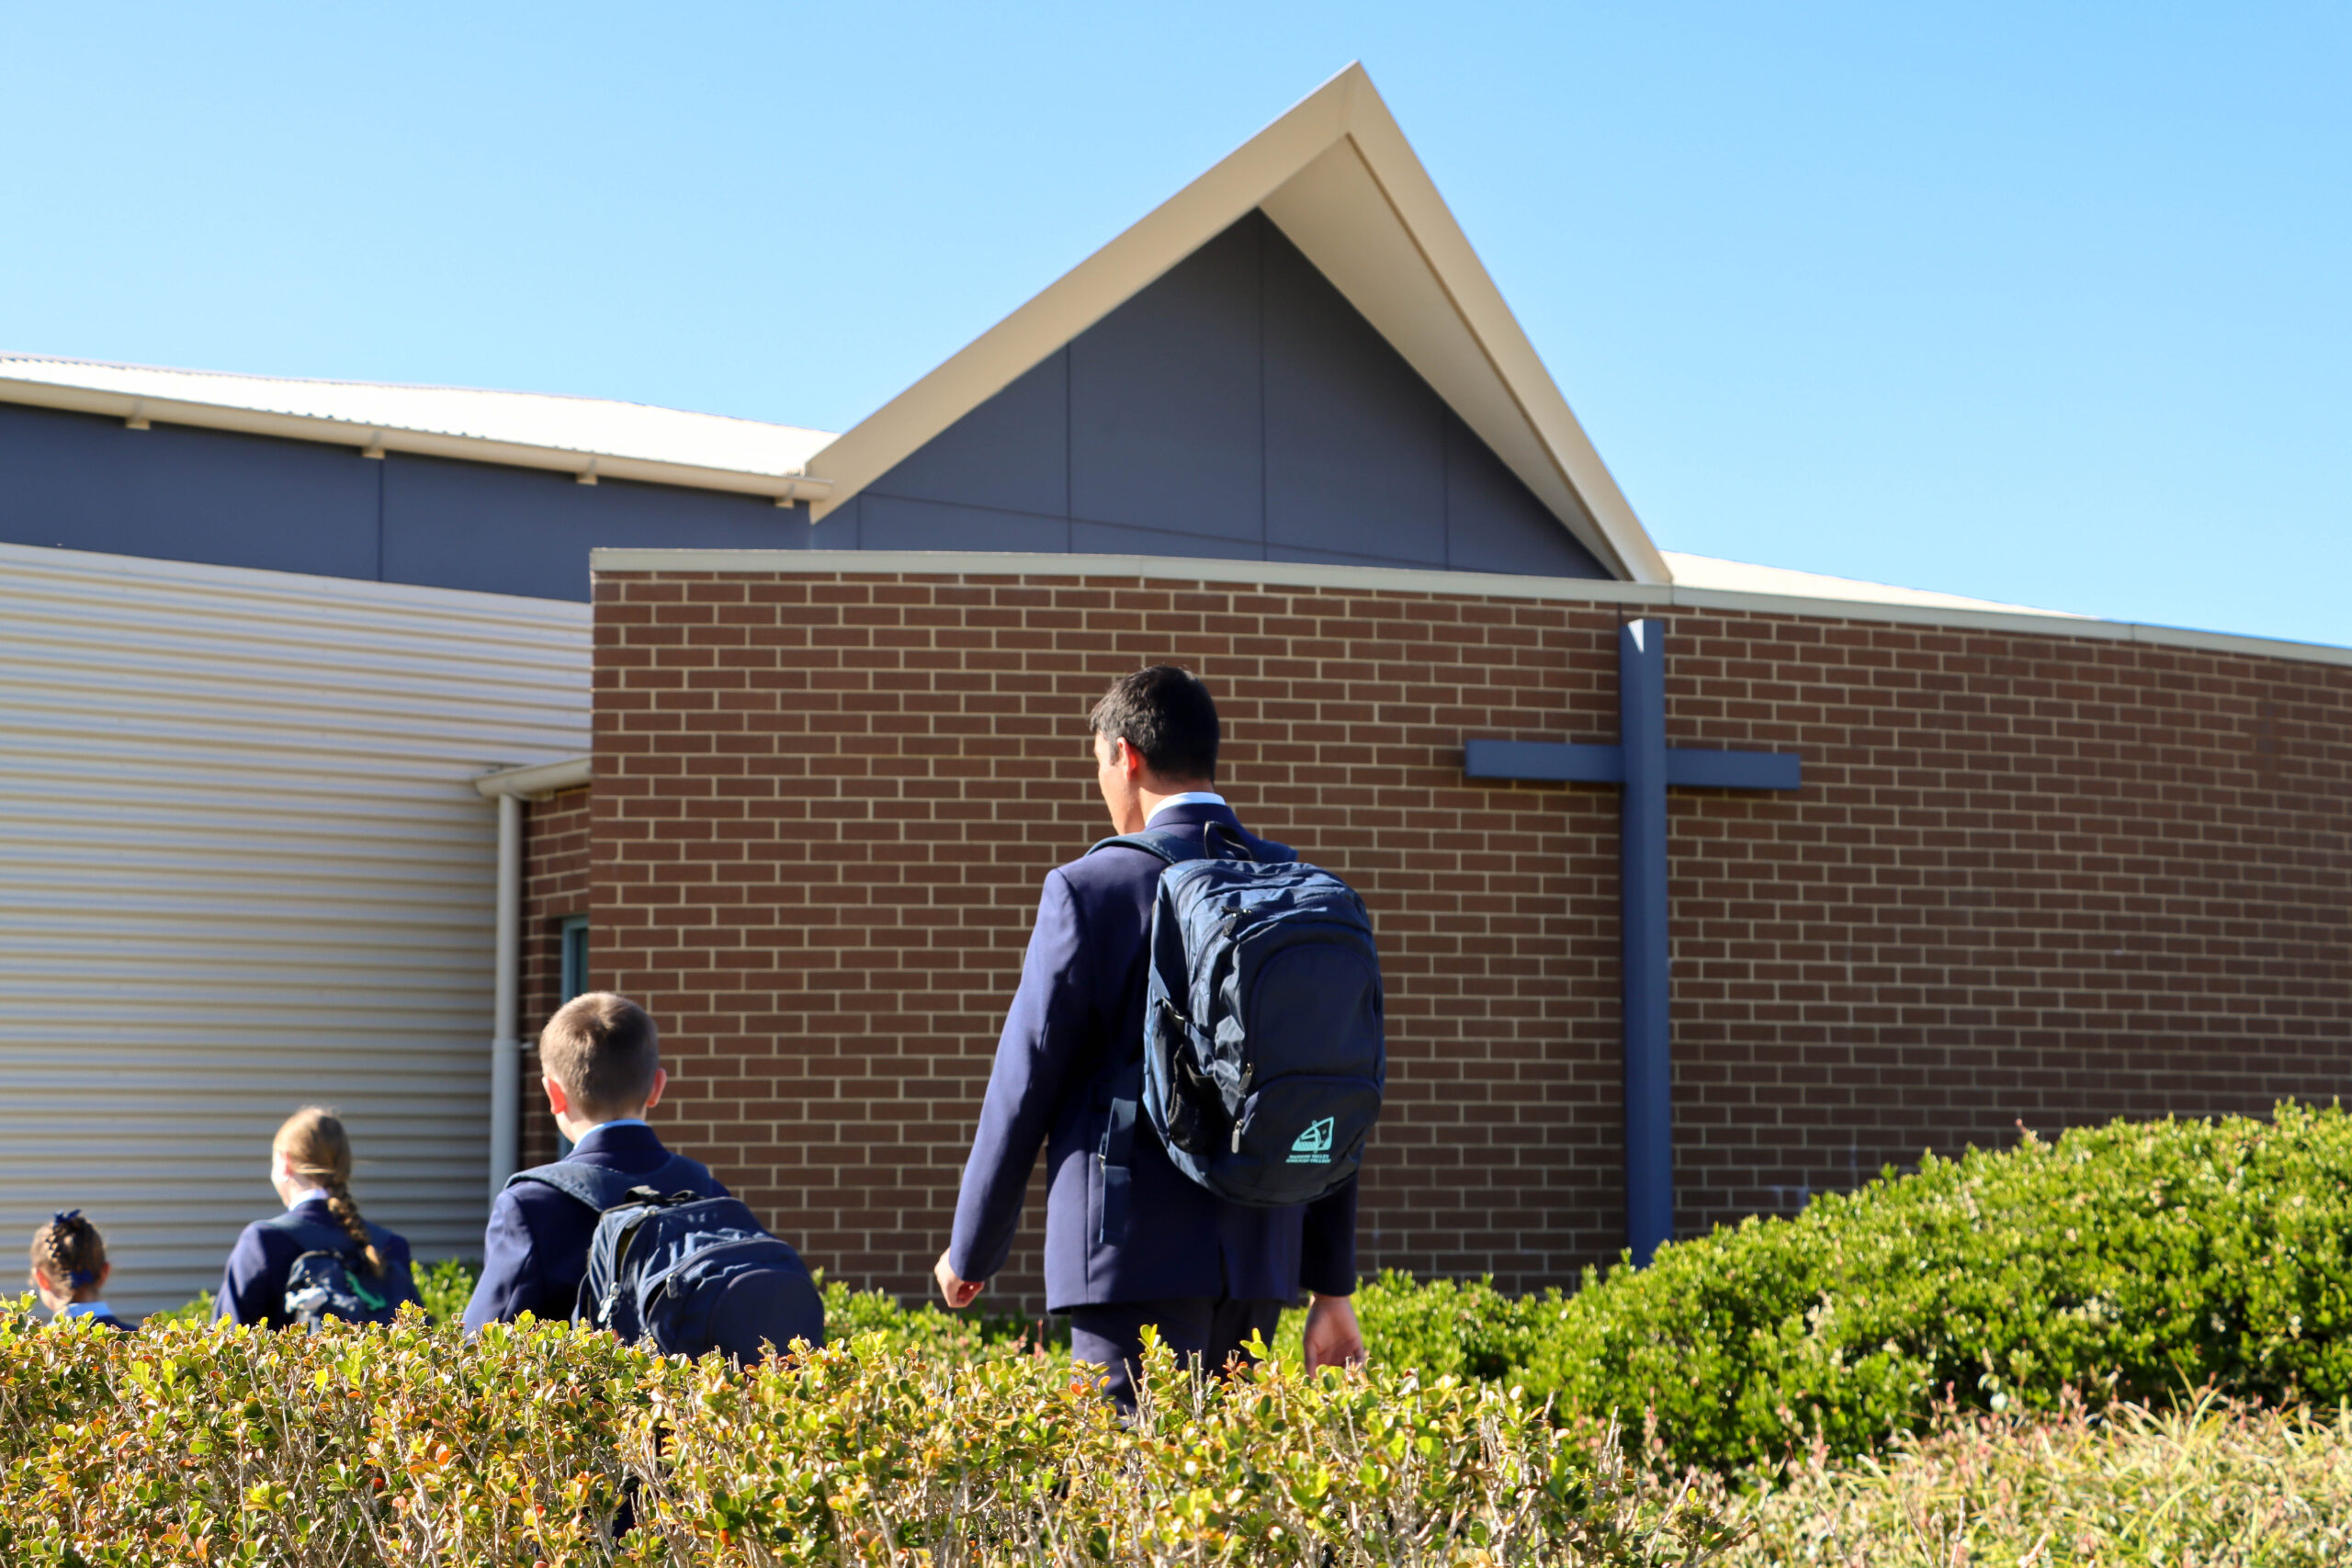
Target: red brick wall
[[555, 885], [2029, 876]]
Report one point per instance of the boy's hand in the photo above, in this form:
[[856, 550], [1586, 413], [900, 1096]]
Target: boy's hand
[[1332, 1338], [956, 1292]]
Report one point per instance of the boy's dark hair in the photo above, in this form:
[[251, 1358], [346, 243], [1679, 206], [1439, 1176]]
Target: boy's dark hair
[[1165, 712], [604, 1050]]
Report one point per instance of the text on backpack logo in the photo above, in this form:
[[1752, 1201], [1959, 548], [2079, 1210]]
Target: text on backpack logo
[[1314, 1145]]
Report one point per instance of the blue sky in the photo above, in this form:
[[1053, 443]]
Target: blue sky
[[2043, 303]]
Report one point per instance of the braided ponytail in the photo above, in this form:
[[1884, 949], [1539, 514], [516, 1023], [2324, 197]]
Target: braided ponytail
[[317, 1151], [70, 1254]]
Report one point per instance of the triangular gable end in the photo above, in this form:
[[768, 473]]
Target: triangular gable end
[[1237, 409], [1337, 185]]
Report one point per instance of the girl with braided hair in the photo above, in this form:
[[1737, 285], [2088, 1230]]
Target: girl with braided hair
[[309, 1166], [70, 1269]]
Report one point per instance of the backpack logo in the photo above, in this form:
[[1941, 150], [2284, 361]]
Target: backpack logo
[[1314, 1145]]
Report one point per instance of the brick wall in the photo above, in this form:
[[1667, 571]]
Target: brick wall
[[2029, 876], [555, 885]]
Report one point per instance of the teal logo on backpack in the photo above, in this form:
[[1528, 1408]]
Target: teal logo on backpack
[[1314, 1145]]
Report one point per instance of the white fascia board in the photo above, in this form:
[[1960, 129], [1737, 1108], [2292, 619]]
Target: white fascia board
[[538, 779], [1479, 305], [1337, 176], [856, 564], [376, 438]]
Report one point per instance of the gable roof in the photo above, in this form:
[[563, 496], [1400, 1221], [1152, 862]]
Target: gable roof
[[587, 437], [1336, 176]]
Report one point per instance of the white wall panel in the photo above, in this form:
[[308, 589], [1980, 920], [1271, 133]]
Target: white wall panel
[[241, 868]]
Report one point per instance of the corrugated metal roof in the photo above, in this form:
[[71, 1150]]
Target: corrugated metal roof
[[244, 866], [589, 426]]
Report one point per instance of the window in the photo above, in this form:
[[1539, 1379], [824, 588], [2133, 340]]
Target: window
[[574, 938], [573, 943]]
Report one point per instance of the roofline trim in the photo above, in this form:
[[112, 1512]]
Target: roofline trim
[[1345, 109], [538, 779], [1456, 584], [139, 412]]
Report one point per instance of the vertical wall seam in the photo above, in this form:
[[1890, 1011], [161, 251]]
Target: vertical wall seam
[[1265, 441], [1445, 482], [382, 464], [1069, 451]]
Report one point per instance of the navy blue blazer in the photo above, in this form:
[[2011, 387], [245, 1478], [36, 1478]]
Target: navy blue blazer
[[1076, 1019], [252, 1286], [536, 1247]]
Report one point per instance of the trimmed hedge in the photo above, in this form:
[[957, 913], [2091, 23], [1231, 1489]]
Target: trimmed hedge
[[2132, 1261], [534, 1444]]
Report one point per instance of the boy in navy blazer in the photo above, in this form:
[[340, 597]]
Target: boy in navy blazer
[[603, 1072], [1207, 1273]]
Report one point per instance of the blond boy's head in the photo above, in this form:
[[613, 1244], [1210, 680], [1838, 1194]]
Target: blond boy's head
[[603, 1052]]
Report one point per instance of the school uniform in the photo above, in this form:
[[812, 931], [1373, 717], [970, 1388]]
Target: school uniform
[[252, 1285], [535, 1249], [1206, 1271], [98, 1310]]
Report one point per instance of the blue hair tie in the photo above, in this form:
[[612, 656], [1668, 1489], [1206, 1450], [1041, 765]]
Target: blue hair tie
[[69, 1216], [81, 1277]]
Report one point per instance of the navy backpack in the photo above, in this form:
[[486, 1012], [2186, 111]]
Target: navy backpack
[[1263, 1058], [682, 1271], [328, 1280]]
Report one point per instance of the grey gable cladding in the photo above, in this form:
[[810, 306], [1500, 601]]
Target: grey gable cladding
[[1238, 408]]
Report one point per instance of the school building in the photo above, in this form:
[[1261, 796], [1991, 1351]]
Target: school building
[[351, 727]]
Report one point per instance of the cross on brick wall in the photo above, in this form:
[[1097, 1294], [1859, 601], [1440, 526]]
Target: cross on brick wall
[[1645, 766]]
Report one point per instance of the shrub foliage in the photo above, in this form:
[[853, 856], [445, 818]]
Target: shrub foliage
[[538, 1443], [2136, 1261], [2206, 1483]]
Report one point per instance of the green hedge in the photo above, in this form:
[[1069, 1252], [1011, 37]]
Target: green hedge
[[2130, 1261], [2134, 1261], [532, 1444]]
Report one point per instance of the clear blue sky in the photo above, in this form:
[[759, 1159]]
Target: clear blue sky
[[2044, 303]]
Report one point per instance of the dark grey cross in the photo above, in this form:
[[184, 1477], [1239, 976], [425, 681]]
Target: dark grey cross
[[1646, 766]]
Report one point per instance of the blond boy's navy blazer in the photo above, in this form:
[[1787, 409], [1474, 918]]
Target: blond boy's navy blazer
[[1075, 1020], [536, 1247]]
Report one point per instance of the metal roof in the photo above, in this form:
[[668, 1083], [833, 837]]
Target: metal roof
[[1739, 577], [589, 436]]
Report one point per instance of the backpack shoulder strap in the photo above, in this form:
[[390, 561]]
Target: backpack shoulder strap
[[1218, 841], [601, 1188], [314, 1235], [1170, 844]]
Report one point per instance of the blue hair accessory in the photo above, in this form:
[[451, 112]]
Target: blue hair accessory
[[69, 1216], [81, 1277]]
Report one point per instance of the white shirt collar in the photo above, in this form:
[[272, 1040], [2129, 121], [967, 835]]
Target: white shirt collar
[[1190, 797], [304, 1194]]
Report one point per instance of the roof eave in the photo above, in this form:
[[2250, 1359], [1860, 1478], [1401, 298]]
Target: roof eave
[[374, 440]]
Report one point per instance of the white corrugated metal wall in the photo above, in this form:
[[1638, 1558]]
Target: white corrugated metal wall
[[241, 867]]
